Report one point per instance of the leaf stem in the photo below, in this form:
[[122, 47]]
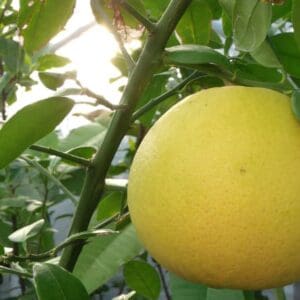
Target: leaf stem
[[151, 27], [70, 157], [155, 101], [7, 270], [142, 73], [45, 172]]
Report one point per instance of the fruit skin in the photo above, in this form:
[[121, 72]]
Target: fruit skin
[[214, 189]]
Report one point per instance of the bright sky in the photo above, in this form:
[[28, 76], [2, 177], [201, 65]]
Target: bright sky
[[91, 55]]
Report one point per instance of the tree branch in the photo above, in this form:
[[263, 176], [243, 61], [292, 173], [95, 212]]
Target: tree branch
[[151, 27], [155, 101], [43, 171], [94, 184], [70, 157]]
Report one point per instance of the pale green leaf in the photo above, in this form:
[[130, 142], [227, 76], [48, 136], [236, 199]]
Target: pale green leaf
[[251, 22], [101, 258], [23, 234], [30, 124], [185, 290], [42, 20]]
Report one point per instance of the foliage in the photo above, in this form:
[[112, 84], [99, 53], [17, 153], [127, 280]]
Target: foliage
[[195, 45]]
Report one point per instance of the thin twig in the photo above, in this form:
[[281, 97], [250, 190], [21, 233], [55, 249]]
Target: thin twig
[[99, 10], [77, 33], [70, 157], [99, 99], [155, 101], [7, 270], [151, 27], [163, 280], [45, 172]]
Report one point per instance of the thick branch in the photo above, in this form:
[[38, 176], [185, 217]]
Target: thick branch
[[140, 77]]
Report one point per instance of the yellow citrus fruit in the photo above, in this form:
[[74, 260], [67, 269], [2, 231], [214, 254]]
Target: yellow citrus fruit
[[214, 189]]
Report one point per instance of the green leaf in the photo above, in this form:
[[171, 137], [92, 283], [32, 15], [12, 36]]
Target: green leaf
[[265, 55], [195, 25], [296, 20], [142, 278], [52, 80], [12, 54], [282, 11], [224, 294], [41, 20], [155, 8], [53, 282], [287, 51], [251, 22], [101, 258], [23, 234], [295, 102], [30, 124], [109, 205], [5, 230], [117, 13], [88, 135], [184, 290], [194, 55], [49, 61], [228, 6], [257, 72]]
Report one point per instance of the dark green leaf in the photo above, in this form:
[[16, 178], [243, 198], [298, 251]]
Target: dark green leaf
[[224, 294], [251, 22], [226, 24], [257, 72], [296, 20], [53, 282], [282, 11], [23, 234], [102, 258], [295, 101], [265, 55], [31, 124], [287, 51], [195, 55], [5, 230], [49, 61], [156, 87], [109, 205], [142, 278], [42, 20], [184, 290], [12, 55], [215, 8], [195, 25]]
